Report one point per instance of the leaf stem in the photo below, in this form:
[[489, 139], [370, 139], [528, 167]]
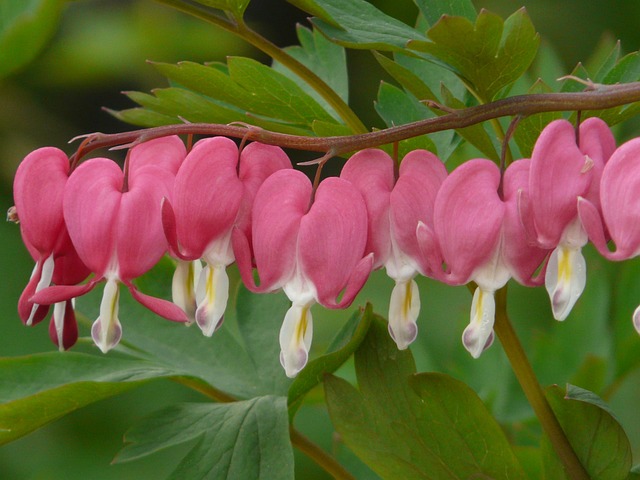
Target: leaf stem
[[240, 28], [532, 390], [317, 454], [602, 97]]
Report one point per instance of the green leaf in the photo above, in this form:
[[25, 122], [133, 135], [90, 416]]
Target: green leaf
[[406, 78], [322, 57], [237, 7], [529, 128], [398, 108], [25, 28], [247, 439], [489, 55], [347, 340], [38, 389], [415, 426], [434, 9], [358, 24], [258, 337], [625, 297], [592, 374], [597, 438]]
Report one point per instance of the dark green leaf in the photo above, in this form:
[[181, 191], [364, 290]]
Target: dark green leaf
[[406, 78], [358, 24], [434, 9], [489, 55], [39, 389], [415, 426], [247, 439], [625, 298], [592, 374], [25, 28], [344, 344], [595, 435], [327, 129], [322, 57]]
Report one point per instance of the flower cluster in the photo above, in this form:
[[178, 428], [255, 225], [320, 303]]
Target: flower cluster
[[217, 204]]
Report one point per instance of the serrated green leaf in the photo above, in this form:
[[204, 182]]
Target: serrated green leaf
[[342, 347], [406, 78], [604, 62], [358, 24], [489, 55], [38, 389], [324, 58], [25, 28], [432, 10], [415, 426], [595, 435], [326, 129], [236, 7], [142, 117], [247, 439], [529, 128]]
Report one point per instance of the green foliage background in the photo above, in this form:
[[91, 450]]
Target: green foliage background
[[100, 49]]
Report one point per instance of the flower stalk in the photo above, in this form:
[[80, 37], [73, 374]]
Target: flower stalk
[[532, 390]]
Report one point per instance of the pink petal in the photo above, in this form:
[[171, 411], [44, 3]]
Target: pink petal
[[522, 258], [140, 237], [164, 308], [91, 209], [38, 190], [165, 152], [257, 163], [468, 217], [371, 172], [620, 200], [560, 173], [332, 239], [592, 223], [596, 141], [206, 195], [413, 200], [279, 207], [61, 293]]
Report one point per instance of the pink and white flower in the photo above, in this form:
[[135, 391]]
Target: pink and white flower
[[561, 171], [213, 192], [394, 209], [311, 246]]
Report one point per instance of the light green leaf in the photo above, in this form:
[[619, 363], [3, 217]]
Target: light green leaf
[[597, 438], [322, 57], [38, 389], [342, 347], [247, 439], [406, 78], [358, 24], [434, 9], [25, 28], [403, 425], [489, 55], [142, 117]]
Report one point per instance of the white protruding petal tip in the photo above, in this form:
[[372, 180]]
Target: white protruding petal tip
[[45, 280], [295, 339], [106, 331], [478, 336], [404, 309], [565, 279], [184, 285], [636, 319], [212, 295]]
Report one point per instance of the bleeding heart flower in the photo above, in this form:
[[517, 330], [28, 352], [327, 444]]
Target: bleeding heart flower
[[394, 209], [562, 171], [620, 206], [212, 193], [312, 249], [38, 192], [114, 223], [481, 239]]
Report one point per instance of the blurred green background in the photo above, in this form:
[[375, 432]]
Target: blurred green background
[[99, 49]]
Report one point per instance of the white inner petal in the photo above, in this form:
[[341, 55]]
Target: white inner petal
[[565, 279], [212, 296], [59, 310], [184, 285], [478, 336], [404, 308], [295, 338], [44, 282], [106, 330]]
